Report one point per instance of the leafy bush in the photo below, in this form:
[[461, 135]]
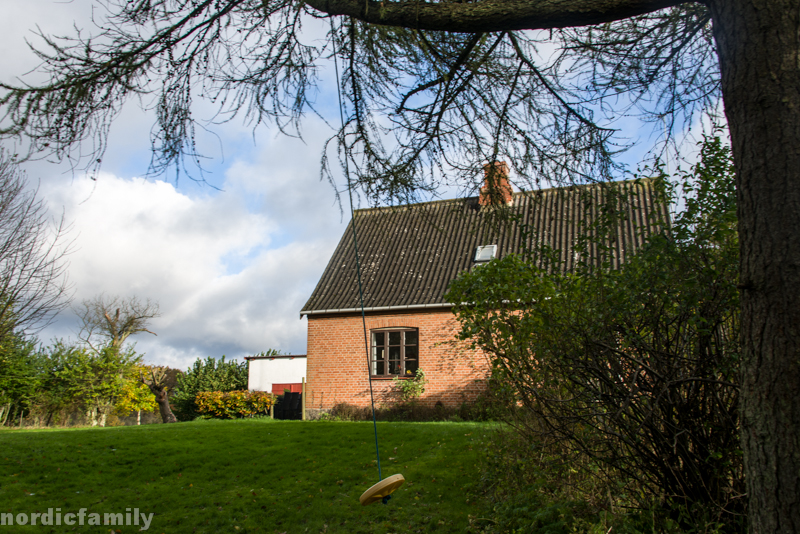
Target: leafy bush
[[480, 409], [410, 389], [206, 375], [635, 368], [533, 487], [347, 412], [234, 404]]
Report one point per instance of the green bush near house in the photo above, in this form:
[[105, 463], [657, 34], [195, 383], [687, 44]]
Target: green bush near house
[[484, 408], [234, 404], [206, 375], [628, 378]]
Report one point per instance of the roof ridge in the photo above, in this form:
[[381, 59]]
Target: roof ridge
[[522, 193]]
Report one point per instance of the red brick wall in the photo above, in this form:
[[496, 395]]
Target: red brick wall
[[337, 362]]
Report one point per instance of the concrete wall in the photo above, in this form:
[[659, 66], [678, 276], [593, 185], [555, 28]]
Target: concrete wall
[[338, 368], [264, 372]]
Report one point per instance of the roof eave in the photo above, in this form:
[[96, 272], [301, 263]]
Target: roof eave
[[377, 309]]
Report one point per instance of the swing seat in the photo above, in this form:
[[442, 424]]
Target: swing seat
[[382, 489]]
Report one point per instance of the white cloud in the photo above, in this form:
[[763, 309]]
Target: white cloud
[[230, 269]]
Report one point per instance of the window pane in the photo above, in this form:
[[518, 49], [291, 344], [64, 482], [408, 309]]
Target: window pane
[[395, 338], [411, 337], [411, 367], [394, 367], [377, 338], [394, 353], [412, 353], [378, 368], [378, 353]]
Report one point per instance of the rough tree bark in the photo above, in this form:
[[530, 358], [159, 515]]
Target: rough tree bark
[[490, 15], [158, 387], [163, 403], [759, 51]]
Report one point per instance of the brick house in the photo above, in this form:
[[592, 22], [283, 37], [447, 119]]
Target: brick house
[[409, 254]]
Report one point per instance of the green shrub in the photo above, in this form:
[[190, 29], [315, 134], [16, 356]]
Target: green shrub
[[234, 404], [206, 375], [534, 488], [481, 409], [635, 367], [410, 389]]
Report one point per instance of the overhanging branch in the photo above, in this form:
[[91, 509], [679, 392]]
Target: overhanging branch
[[490, 15]]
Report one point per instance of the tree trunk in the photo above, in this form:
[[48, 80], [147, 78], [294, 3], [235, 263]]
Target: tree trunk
[[91, 415], [138, 417], [163, 403], [759, 49]]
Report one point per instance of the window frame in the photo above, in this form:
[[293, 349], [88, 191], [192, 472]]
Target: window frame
[[385, 361]]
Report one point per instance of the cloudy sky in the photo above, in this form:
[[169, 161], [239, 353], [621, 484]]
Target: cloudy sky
[[230, 265]]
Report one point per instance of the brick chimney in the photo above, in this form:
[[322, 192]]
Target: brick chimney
[[496, 190]]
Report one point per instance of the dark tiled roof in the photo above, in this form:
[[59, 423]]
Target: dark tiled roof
[[409, 254]]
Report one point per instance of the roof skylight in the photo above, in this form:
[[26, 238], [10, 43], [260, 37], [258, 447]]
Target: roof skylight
[[486, 253]]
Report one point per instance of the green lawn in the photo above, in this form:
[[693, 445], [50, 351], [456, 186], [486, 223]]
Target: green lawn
[[245, 476]]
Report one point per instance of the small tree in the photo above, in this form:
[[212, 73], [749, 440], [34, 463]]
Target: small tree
[[105, 324], [136, 396]]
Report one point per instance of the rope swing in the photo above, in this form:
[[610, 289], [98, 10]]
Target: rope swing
[[382, 491]]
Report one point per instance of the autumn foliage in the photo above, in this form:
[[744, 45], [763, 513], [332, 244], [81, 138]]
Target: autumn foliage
[[234, 404]]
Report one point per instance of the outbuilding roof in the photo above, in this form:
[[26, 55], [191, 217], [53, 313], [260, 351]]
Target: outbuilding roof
[[409, 254]]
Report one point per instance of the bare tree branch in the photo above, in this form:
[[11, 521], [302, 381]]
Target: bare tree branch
[[33, 251], [111, 320]]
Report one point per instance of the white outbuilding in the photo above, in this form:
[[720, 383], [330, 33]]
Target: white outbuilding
[[276, 374]]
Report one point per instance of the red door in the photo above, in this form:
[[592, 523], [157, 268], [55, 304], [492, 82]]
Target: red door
[[278, 389]]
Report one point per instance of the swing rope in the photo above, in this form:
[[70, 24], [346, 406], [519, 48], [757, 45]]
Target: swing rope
[[358, 262]]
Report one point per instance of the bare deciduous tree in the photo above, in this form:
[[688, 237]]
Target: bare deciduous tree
[[111, 320], [33, 250]]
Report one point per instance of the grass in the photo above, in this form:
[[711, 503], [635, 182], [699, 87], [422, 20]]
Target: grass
[[246, 476]]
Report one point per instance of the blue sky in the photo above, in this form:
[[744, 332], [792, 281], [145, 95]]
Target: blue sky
[[230, 265]]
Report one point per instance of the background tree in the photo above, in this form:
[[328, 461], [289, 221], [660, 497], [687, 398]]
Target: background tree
[[461, 84], [93, 380], [110, 321], [21, 377], [203, 376], [106, 323], [136, 396], [33, 283], [637, 368]]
